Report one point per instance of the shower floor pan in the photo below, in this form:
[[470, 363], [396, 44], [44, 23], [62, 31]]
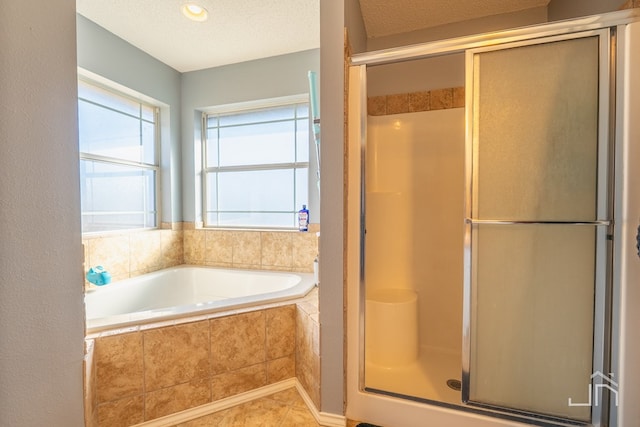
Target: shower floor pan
[[426, 378]]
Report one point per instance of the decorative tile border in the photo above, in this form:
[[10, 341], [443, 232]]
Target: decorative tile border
[[437, 99]]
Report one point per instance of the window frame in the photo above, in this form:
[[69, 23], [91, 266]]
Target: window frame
[[131, 95], [244, 107]]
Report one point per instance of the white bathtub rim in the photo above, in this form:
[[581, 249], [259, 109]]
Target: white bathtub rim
[[168, 314], [123, 282]]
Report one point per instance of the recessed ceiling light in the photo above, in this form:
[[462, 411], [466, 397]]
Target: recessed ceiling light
[[195, 12]]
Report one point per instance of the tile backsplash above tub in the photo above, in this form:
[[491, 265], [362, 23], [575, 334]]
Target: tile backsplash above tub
[[130, 254], [260, 250]]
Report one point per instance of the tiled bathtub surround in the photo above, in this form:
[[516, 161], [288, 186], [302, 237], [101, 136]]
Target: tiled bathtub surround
[[437, 99], [147, 374], [130, 254], [90, 394], [262, 250], [308, 347]]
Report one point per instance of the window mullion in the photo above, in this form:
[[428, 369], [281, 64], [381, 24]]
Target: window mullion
[[250, 168], [295, 156], [204, 134], [217, 175], [115, 161]]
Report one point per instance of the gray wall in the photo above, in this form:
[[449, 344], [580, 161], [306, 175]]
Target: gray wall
[[109, 56], [521, 18], [566, 9], [413, 76], [331, 289], [41, 284], [356, 32], [627, 217], [273, 77]]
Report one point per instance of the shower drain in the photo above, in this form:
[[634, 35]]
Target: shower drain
[[454, 384]]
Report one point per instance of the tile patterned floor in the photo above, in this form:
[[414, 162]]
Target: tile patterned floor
[[282, 409]]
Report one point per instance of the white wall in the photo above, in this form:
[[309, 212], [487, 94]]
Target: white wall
[[41, 285], [415, 216], [266, 78]]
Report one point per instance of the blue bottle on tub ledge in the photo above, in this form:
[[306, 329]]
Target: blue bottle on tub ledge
[[303, 219]]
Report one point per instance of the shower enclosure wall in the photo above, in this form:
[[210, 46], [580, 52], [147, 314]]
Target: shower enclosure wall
[[414, 171], [485, 169]]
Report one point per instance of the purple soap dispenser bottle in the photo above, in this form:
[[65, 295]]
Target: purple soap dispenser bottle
[[303, 219]]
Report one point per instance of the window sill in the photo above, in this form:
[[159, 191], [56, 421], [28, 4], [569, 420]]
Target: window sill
[[115, 233]]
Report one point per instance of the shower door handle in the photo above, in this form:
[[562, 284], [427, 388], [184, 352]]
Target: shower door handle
[[520, 222]]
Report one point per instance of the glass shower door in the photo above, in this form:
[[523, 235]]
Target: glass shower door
[[537, 217]]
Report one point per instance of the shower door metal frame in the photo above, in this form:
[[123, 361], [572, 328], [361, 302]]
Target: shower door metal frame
[[602, 223], [362, 69], [604, 22]]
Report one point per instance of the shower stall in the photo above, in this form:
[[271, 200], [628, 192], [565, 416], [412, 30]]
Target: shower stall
[[486, 175], [414, 173]]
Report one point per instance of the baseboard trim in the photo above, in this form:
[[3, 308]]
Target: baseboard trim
[[332, 420], [323, 418], [219, 405]]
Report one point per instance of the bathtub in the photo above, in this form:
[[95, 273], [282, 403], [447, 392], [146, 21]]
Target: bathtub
[[186, 291]]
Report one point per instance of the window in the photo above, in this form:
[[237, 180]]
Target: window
[[256, 166], [118, 160]]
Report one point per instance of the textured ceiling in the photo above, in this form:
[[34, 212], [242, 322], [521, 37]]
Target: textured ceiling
[[387, 17], [236, 31]]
